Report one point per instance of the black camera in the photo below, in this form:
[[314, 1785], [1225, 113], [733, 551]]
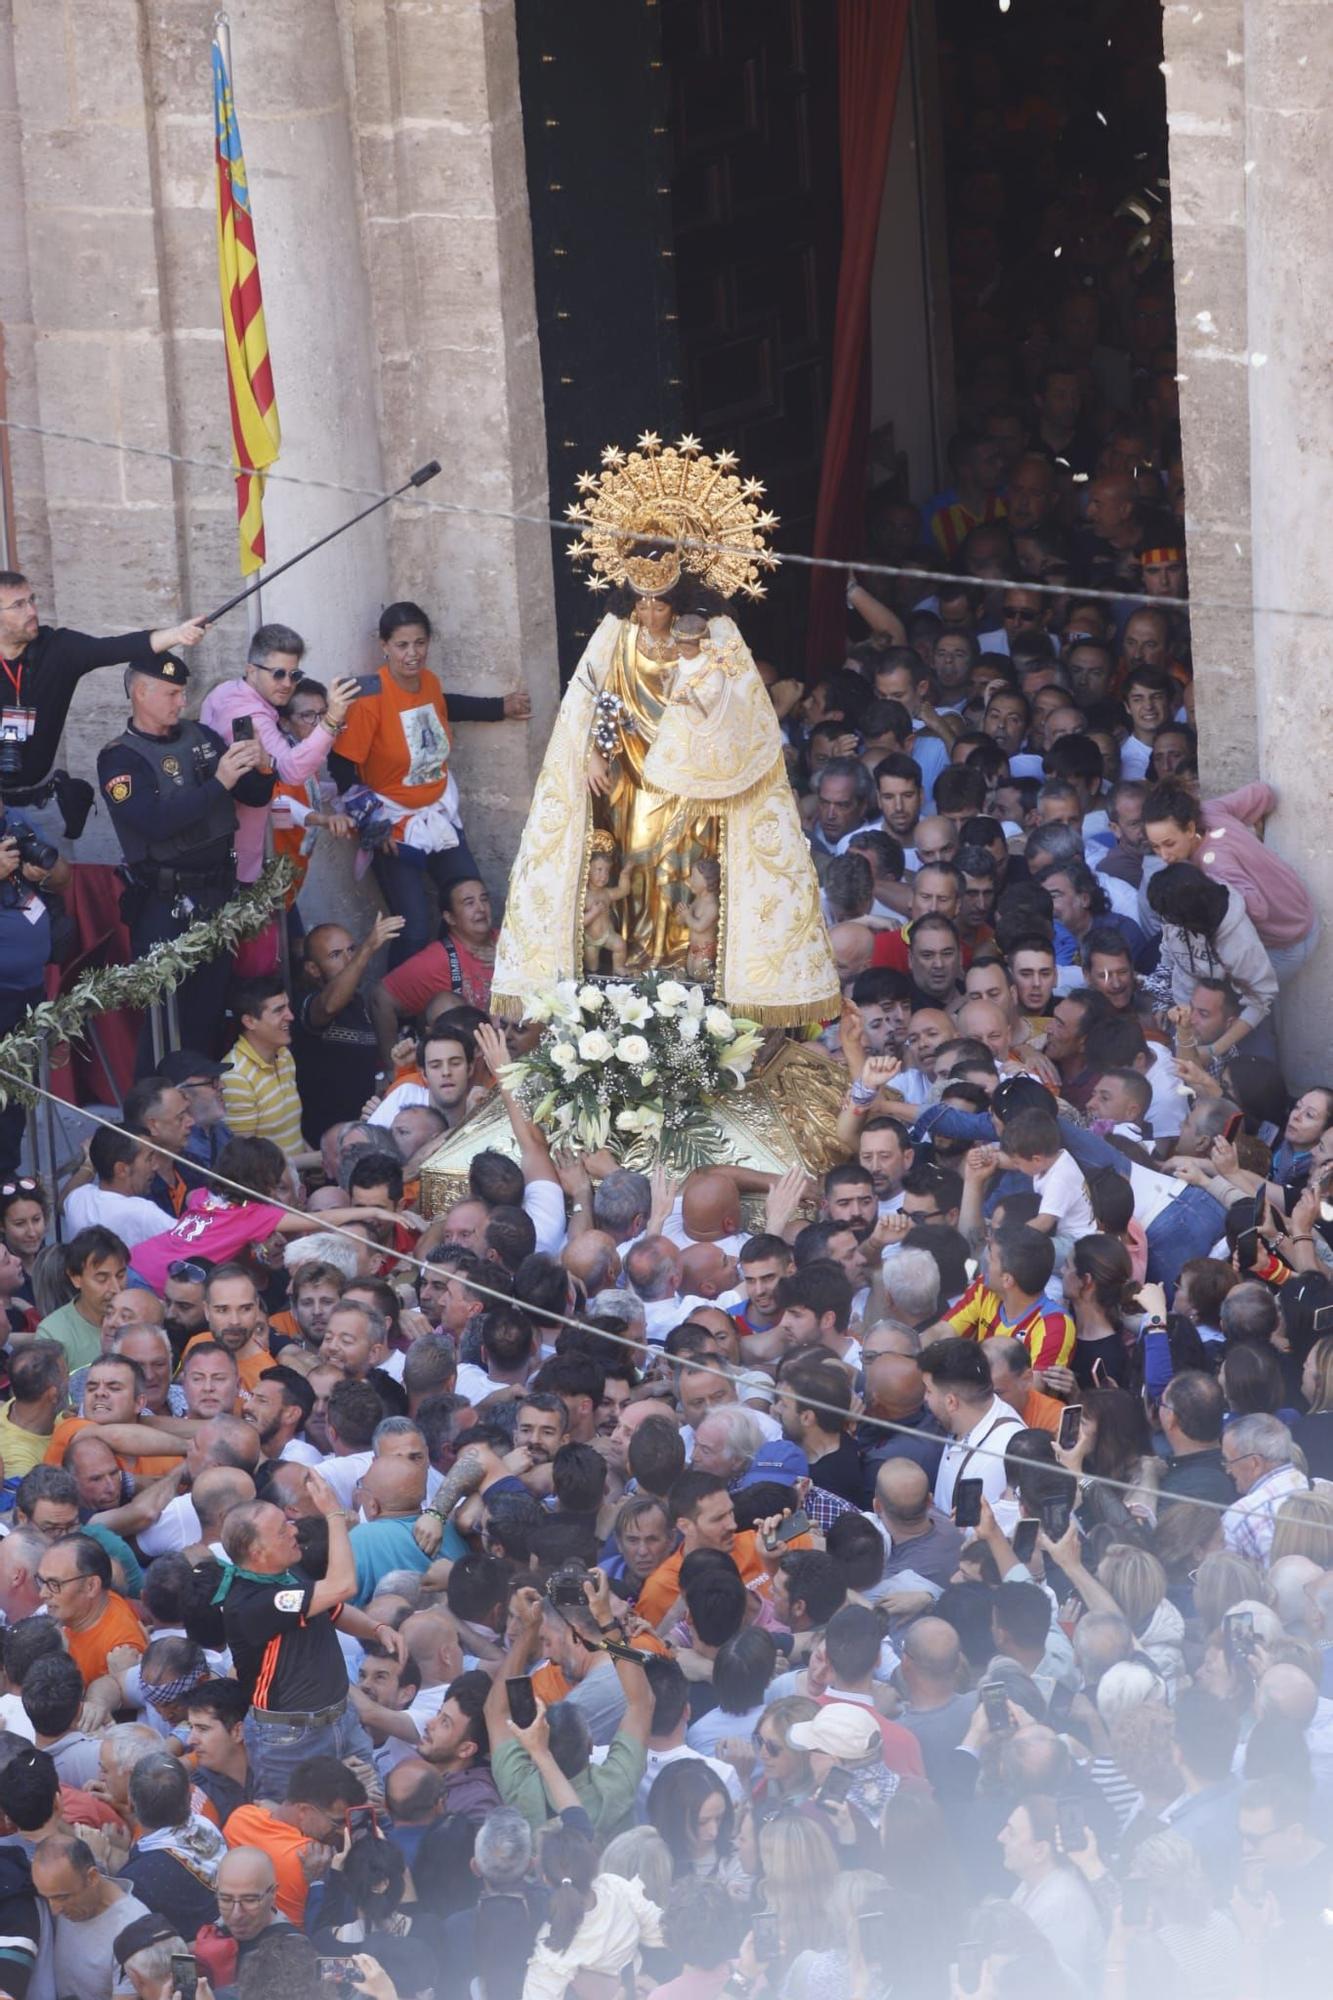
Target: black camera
[[34, 852]]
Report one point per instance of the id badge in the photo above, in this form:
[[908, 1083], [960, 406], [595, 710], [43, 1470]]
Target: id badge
[[17, 724]]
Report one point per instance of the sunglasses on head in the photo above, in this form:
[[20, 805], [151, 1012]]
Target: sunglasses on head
[[24, 1185], [187, 1273]]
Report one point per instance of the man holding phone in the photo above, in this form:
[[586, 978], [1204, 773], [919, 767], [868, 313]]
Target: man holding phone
[[250, 710], [172, 788]]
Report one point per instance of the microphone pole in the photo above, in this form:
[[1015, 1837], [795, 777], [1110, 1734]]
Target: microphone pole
[[419, 478]]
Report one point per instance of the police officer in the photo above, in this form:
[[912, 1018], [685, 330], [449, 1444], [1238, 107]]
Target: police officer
[[171, 788]]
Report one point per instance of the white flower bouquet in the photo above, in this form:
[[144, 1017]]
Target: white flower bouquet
[[633, 1066]]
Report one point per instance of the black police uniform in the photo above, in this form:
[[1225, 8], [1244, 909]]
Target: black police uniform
[[176, 824]]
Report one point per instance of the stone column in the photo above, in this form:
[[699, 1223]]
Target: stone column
[[1205, 83], [449, 250], [1288, 67]]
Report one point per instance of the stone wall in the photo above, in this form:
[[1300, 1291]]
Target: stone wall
[[385, 155]]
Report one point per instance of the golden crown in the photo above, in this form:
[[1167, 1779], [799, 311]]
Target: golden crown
[[658, 511], [602, 843]]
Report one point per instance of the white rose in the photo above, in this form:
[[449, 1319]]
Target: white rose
[[718, 1023], [627, 1121], [632, 1049], [688, 1027], [591, 999], [670, 995], [563, 1054], [594, 1047]]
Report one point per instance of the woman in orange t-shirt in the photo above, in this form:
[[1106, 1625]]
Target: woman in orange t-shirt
[[398, 739]]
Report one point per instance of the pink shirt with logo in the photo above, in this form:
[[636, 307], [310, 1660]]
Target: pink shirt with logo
[[1276, 901], [209, 1226]]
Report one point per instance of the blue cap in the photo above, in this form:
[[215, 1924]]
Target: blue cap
[[779, 1461]]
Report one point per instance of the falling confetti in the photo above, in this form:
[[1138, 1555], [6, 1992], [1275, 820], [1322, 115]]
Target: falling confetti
[[1058, 250], [1101, 115], [1258, 361], [1250, 166]]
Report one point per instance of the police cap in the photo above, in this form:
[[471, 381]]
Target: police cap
[[161, 667]]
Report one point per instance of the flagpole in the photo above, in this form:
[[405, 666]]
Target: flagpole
[[222, 35]]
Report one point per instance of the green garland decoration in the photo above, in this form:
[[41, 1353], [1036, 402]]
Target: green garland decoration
[[107, 987]]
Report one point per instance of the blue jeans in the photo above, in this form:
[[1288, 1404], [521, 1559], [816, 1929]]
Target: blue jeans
[[405, 875], [1187, 1227], [276, 1748]]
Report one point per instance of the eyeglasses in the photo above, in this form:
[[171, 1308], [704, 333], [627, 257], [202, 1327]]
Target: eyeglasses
[[766, 1746], [187, 1273], [225, 1902], [48, 1585]]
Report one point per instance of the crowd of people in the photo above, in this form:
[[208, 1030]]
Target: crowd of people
[[912, 1580]]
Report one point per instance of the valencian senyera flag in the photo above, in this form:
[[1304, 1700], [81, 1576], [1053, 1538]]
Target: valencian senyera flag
[[255, 432]]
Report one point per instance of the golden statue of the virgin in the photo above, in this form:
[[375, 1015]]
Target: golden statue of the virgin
[[669, 744]]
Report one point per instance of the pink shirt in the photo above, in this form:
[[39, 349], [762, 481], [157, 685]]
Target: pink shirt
[[1273, 893], [293, 762], [208, 1226]]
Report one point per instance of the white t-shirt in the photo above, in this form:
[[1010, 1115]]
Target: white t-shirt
[[979, 1455], [1170, 1106], [1152, 1193], [544, 1205], [177, 1527], [132, 1218], [1063, 1193]]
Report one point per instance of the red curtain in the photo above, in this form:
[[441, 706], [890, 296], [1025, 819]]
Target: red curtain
[[871, 38]]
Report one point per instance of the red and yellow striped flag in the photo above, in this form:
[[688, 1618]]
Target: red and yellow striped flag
[[256, 434]]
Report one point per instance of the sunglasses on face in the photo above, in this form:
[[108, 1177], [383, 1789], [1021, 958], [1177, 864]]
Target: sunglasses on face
[[282, 673]]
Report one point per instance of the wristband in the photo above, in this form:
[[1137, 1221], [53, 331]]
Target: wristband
[[613, 1625], [863, 1093], [436, 1512]]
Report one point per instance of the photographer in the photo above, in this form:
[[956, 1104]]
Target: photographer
[[172, 788], [43, 664], [27, 866]]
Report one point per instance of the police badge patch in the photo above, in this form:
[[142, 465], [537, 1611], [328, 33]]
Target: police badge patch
[[118, 790]]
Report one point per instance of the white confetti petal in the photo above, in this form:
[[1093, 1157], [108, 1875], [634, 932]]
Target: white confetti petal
[[1258, 361]]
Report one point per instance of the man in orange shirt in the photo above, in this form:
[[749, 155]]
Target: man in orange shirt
[[113, 1394], [236, 1321], [74, 1578], [701, 1508], [1015, 1384], [302, 1835]]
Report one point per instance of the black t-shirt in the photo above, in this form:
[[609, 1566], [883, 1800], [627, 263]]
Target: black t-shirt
[[336, 1066], [287, 1660], [840, 1471]]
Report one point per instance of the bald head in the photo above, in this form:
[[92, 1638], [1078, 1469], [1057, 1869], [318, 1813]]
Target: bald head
[[215, 1492], [902, 1492], [984, 1022], [594, 1259], [706, 1271], [1287, 1691], [432, 1640], [225, 1441], [246, 1871], [710, 1207], [853, 948], [934, 1650], [392, 1487], [895, 1387]]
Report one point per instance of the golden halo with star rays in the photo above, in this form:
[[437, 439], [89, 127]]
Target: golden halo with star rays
[[658, 511]]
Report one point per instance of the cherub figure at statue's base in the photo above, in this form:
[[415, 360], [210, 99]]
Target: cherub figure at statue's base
[[704, 883], [599, 930]]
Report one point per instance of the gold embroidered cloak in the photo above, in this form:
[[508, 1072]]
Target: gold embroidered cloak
[[702, 774]]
